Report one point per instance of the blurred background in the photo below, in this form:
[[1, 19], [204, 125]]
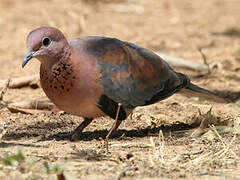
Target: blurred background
[[172, 27], [169, 26]]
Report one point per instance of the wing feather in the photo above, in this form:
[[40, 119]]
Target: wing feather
[[132, 75]]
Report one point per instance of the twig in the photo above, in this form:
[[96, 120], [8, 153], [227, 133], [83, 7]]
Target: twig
[[203, 56], [161, 144], [213, 128], [194, 153], [26, 111], [19, 82], [153, 146], [33, 104], [199, 152], [131, 145], [5, 87], [178, 62], [123, 172], [233, 176], [200, 173], [204, 59], [226, 148], [32, 107]]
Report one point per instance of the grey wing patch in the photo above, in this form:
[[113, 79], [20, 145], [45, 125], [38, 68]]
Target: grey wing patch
[[120, 86]]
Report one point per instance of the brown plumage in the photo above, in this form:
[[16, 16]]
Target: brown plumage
[[91, 76]]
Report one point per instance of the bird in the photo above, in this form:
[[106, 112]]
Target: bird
[[94, 76]]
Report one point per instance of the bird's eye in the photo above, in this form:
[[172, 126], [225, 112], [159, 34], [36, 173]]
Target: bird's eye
[[46, 41]]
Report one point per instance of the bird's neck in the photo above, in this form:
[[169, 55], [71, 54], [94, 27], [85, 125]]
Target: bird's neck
[[49, 62], [65, 54]]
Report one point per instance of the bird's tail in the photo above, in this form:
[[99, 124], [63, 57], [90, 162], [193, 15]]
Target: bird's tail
[[189, 89], [192, 89]]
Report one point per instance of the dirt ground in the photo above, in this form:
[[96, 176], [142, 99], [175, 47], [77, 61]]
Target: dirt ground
[[139, 148]]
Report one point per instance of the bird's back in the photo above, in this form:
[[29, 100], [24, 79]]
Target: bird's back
[[131, 75]]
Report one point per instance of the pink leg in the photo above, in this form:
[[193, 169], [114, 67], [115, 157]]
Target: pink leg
[[75, 134]]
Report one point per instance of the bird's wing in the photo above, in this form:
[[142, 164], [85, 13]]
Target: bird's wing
[[131, 75]]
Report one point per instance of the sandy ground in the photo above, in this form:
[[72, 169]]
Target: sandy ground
[[173, 27]]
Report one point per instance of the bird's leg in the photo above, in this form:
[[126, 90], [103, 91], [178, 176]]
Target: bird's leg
[[74, 135], [116, 124], [78, 131]]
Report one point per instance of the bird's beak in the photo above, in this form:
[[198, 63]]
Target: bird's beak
[[27, 57]]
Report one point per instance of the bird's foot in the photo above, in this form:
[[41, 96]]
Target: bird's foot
[[72, 136], [75, 134]]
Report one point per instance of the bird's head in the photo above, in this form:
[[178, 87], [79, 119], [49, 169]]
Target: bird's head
[[46, 44]]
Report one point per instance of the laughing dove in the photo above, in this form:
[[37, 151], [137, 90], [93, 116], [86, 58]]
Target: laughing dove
[[96, 76]]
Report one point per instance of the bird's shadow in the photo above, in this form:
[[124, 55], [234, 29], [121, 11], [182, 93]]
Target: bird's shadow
[[9, 144], [122, 133], [47, 131]]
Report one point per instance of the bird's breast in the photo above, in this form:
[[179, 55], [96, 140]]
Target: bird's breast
[[73, 86]]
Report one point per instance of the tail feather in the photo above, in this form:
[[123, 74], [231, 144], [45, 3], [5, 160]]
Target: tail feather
[[192, 89]]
